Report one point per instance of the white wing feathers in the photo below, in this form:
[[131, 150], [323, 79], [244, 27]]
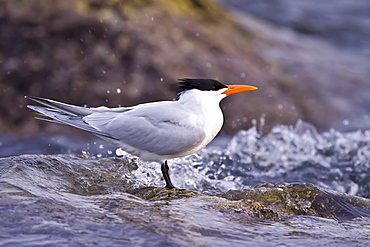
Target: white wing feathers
[[160, 128]]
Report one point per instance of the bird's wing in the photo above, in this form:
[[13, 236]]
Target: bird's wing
[[162, 128]]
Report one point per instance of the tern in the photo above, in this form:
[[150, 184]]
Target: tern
[[156, 131]]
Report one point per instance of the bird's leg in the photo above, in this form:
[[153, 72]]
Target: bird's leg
[[166, 176]]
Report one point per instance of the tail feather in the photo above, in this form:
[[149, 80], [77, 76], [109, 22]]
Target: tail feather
[[66, 108], [66, 114]]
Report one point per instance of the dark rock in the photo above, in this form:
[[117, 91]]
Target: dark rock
[[93, 52]]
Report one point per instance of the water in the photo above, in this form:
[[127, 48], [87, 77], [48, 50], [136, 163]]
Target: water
[[291, 187]]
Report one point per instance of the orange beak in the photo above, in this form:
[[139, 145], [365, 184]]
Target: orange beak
[[231, 89]]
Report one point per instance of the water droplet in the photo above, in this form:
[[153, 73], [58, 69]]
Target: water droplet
[[85, 153], [346, 122], [118, 90], [242, 75], [120, 152], [254, 122]]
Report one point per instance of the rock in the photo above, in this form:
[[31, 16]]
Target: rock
[[93, 52]]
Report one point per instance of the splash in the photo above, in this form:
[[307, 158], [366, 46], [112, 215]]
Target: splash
[[332, 160]]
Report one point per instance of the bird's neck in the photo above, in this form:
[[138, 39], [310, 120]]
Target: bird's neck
[[201, 99], [205, 105]]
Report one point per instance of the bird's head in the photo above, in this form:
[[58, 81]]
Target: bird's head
[[211, 85]]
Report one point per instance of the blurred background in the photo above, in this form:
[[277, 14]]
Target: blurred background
[[309, 59]]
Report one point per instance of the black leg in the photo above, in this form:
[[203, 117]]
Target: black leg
[[166, 176]]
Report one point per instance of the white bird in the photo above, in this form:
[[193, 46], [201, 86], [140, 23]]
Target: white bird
[[155, 131]]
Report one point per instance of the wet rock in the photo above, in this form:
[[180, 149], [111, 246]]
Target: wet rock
[[303, 199], [88, 176], [162, 194], [248, 208], [45, 198]]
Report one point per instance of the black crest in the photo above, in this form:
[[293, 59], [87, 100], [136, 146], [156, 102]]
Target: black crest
[[201, 84]]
